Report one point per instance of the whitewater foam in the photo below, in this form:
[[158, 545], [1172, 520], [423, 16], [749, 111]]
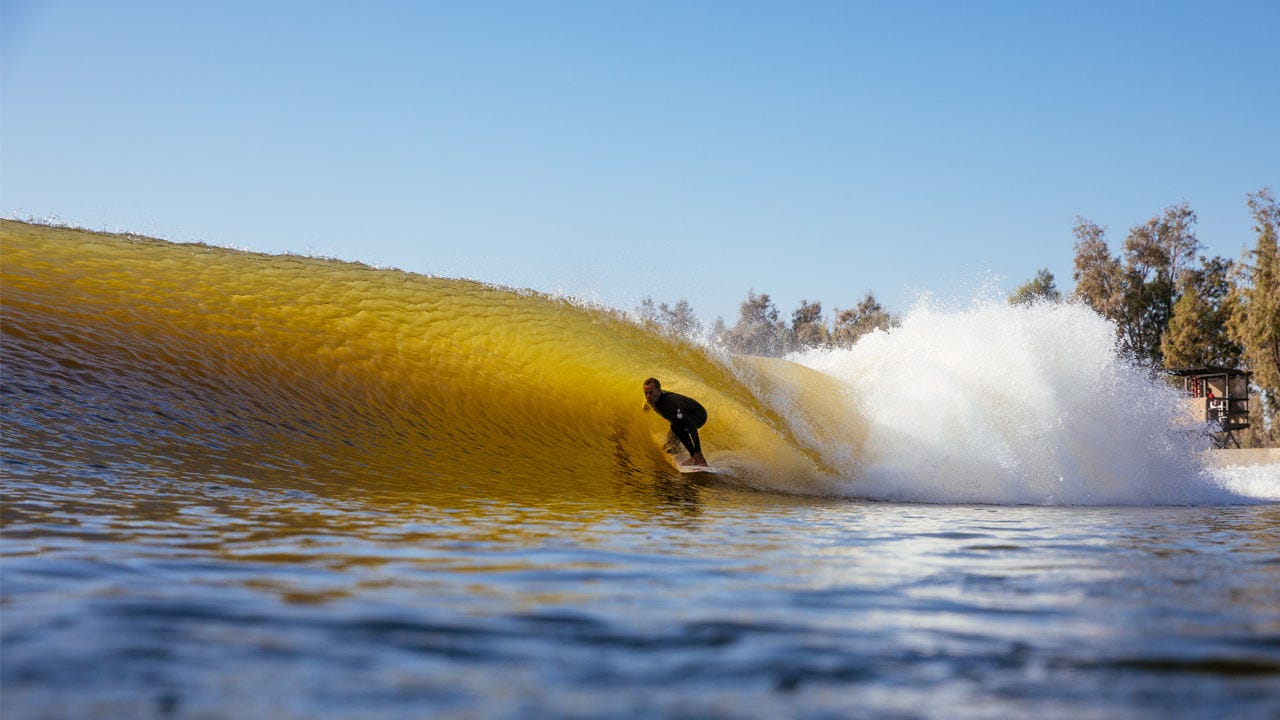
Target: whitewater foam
[[1261, 482], [1028, 405]]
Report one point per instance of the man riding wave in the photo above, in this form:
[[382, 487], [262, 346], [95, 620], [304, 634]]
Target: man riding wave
[[684, 413]]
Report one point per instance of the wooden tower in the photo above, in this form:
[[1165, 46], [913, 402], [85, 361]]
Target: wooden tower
[[1216, 395]]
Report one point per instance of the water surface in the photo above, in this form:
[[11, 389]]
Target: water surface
[[238, 485]]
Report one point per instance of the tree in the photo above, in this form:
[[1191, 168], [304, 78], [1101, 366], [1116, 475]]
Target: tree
[[1255, 317], [867, 316], [647, 311], [1183, 343], [679, 320], [1098, 275], [1156, 254], [1139, 293], [758, 330], [1041, 288], [718, 332], [808, 325], [1199, 330]]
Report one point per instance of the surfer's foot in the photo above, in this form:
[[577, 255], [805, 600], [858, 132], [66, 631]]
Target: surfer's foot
[[697, 460]]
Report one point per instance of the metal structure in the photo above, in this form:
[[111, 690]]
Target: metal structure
[[1216, 395]]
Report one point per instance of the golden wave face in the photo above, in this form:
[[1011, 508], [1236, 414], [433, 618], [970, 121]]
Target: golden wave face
[[191, 360]]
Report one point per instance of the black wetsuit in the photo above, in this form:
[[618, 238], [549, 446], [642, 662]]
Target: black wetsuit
[[686, 416]]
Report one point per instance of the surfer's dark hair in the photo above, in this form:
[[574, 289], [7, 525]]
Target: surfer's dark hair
[[654, 382]]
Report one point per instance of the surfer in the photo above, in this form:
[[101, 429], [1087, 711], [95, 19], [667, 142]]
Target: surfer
[[685, 414]]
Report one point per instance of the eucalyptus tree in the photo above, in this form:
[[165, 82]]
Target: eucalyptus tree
[[759, 331], [1255, 318], [679, 319], [1199, 330], [1137, 290], [808, 326], [1040, 288], [867, 316]]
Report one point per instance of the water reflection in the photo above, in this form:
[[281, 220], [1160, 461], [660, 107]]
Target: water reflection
[[695, 588]]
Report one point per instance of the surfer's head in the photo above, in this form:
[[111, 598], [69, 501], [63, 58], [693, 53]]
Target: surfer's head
[[652, 389]]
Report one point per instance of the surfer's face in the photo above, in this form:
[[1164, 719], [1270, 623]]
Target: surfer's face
[[651, 393]]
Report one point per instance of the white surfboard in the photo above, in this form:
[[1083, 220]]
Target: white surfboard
[[676, 454], [690, 469], [696, 469]]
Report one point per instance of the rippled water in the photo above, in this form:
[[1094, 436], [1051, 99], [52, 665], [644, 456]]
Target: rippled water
[[201, 599]]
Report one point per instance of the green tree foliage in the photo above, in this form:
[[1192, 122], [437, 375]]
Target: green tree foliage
[[1099, 277], [1198, 331], [1155, 255], [1138, 290], [1184, 342], [1041, 288], [808, 326], [1210, 312], [1255, 316], [854, 323]]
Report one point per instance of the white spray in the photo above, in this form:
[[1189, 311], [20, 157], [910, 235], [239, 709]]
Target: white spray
[[1002, 404]]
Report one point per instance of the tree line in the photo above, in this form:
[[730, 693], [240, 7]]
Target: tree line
[[1172, 306], [761, 329]]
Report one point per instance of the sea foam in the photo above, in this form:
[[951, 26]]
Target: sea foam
[[1018, 404]]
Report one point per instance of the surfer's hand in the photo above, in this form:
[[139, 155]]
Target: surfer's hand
[[646, 407]]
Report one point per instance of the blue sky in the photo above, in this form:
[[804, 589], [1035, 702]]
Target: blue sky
[[615, 150]]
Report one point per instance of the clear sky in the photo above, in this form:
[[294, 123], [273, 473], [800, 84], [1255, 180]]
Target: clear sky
[[614, 150]]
